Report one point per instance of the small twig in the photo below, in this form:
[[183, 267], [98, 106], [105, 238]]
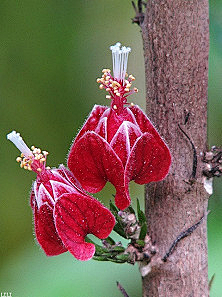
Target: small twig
[[194, 168], [139, 18], [122, 290], [182, 235], [187, 115], [211, 281], [213, 162]]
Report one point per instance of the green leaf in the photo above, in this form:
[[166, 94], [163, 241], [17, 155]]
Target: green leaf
[[140, 242], [131, 210], [100, 258], [119, 249], [143, 231], [119, 229], [122, 257], [113, 209], [110, 241], [141, 215]]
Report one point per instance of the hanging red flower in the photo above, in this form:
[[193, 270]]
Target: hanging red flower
[[118, 144], [63, 213]]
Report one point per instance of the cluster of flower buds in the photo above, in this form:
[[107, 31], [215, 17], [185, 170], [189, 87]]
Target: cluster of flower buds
[[213, 162], [132, 227]]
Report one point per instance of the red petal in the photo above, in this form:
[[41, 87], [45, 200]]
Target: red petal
[[77, 215], [93, 162], [101, 129], [45, 231], [114, 121], [149, 160], [124, 139], [143, 121], [92, 120]]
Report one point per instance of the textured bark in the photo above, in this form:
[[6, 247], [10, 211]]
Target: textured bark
[[176, 39]]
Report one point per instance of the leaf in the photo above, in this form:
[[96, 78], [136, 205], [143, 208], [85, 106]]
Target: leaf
[[140, 242], [143, 231], [140, 213], [119, 249], [100, 258], [118, 228], [110, 241], [131, 210]]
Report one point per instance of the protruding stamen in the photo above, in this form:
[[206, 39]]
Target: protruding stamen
[[19, 143], [119, 85], [33, 159], [120, 59]]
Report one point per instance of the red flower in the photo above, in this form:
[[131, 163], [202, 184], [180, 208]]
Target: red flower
[[118, 144], [63, 213]]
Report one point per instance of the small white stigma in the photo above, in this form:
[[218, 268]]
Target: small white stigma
[[19, 143], [120, 58]]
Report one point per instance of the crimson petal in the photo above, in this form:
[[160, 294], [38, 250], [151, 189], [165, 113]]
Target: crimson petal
[[124, 139], [94, 162], [45, 231], [149, 160], [92, 120], [77, 215], [144, 123]]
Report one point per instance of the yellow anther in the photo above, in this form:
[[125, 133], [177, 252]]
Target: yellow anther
[[39, 169], [136, 90], [101, 87], [45, 153], [132, 104], [126, 89], [108, 97], [22, 155], [102, 80], [32, 147], [104, 70], [131, 77], [48, 167], [108, 77], [108, 89], [18, 159], [98, 80], [118, 94], [126, 75], [25, 167], [128, 85], [114, 107]]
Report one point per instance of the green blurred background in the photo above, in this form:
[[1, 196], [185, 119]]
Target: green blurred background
[[51, 53]]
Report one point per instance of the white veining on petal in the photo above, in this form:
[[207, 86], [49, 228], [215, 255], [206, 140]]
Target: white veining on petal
[[43, 196], [61, 188]]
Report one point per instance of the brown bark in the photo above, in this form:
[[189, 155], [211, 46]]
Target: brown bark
[[176, 38]]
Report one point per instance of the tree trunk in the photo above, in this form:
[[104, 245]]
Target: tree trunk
[[176, 44]]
